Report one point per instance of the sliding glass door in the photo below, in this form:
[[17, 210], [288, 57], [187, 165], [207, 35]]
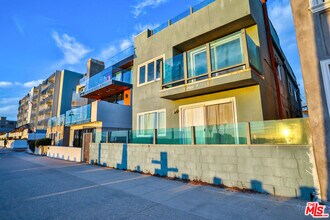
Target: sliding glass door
[[214, 122]]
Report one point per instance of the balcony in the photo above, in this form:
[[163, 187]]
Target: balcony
[[109, 114], [56, 121], [79, 115], [226, 63], [123, 57], [104, 84], [181, 16]]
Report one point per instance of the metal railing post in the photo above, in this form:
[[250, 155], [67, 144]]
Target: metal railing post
[[248, 133], [155, 137], [193, 137]]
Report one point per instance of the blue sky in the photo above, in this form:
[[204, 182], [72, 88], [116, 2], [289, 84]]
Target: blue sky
[[39, 37]]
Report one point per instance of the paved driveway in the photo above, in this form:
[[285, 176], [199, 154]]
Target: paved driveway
[[34, 187]]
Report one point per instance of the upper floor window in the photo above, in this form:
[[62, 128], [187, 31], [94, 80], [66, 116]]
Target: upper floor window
[[319, 5], [150, 71], [226, 52]]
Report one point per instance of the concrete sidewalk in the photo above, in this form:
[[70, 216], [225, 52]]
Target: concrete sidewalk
[[35, 187]]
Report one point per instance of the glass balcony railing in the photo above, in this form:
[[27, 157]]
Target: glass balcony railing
[[174, 71], [227, 55], [289, 131], [56, 121], [122, 55], [181, 16], [78, 115], [105, 78], [280, 132], [254, 54]]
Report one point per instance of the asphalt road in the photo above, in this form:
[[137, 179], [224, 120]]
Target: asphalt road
[[35, 187]]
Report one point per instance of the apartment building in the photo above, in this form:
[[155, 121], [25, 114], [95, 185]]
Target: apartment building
[[104, 101], [312, 23], [6, 125], [211, 65], [49, 99]]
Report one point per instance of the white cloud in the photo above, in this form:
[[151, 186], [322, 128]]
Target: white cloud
[[18, 25], [6, 101], [125, 43], [32, 83], [4, 84], [73, 50], [9, 111], [107, 53], [139, 8]]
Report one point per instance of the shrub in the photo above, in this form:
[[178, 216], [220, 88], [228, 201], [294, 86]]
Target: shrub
[[43, 142], [32, 145]]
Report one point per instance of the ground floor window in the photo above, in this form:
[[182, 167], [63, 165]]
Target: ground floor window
[[148, 121]]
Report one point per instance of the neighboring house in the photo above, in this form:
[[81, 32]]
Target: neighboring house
[[6, 125], [312, 23], [211, 65], [104, 104], [51, 98]]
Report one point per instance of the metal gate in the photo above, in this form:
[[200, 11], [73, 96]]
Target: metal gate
[[87, 140]]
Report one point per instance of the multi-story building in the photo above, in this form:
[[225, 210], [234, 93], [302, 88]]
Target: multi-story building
[[104, 101], [51, 98], [214, 64], [6, 125], [312, 23]]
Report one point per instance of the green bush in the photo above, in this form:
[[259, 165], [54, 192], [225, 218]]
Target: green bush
[[43, 142], [32, 145], [37, 143]]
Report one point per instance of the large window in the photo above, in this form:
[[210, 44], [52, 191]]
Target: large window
[[226, 52], [150, 71], [147, 121], [197, 62]]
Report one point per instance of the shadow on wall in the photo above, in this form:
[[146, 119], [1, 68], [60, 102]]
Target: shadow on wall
[[99, 157], [164, 169], [123, 164]]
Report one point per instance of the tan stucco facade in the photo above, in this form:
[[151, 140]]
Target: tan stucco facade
[[255, 95], [312, 30]]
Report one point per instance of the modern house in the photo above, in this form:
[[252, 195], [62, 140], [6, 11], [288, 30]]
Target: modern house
[[49, 99], [6, 125], [214, 64], [104, 105], [312, 23]]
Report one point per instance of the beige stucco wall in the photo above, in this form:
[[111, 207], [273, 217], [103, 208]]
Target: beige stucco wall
[[64, 153], [312, 49], [278, 170]]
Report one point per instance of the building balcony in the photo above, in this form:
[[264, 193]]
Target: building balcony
[[109, 114], [114, 80], [56, 121], [104, 84], [227, 63]]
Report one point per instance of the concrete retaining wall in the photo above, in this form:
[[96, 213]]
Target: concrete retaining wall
[[17, 144], [64, 153], [279, 170]]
